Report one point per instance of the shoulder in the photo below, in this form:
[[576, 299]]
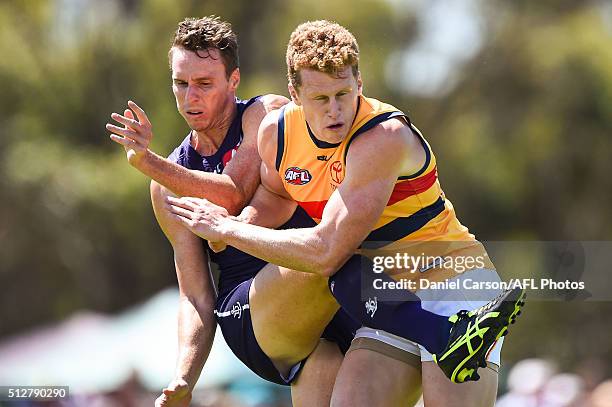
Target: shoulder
[[391, 143], [267, 139], [262, 106], [272, 102], [393, 135], [181, 152]]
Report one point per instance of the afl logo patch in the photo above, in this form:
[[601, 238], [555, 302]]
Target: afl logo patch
[[336, 172], [297, 176]]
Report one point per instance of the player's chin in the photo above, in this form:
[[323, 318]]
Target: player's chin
[[336, 134], [195, 120], [199, 126]]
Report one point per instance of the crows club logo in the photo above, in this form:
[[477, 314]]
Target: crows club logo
[[297, 176], [336, 172]]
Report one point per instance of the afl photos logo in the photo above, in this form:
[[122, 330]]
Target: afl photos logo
[[297, 176], [336, 172]]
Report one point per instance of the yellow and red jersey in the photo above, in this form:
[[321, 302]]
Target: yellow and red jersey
[[417, 212]]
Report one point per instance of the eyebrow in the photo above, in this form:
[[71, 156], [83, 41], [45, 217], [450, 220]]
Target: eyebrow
[[202, 78], [322, 93]]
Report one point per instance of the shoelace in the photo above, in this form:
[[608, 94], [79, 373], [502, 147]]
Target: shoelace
[[490, 304]]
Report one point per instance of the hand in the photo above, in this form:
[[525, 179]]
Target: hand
[[177, 394], [135, 135], [200, 216]]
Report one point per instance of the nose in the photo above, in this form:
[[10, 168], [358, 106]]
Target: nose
[[192, 94], [334, 108]]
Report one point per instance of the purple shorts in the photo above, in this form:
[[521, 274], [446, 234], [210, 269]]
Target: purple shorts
[[234, 318]]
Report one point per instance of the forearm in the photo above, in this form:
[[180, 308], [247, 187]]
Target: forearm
[[217, 188], [196, 332], [267, 209], [305, 249]]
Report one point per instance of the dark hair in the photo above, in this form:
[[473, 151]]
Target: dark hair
[[203, 34]]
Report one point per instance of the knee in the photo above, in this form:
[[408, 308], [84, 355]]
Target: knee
[[174, 231], [159, 193]]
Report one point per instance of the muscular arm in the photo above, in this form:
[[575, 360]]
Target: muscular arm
[[196, 322], [349, 216], [234, 188], [267, 209], [227, 189], [271, 206]]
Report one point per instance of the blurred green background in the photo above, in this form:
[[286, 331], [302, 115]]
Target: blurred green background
[[514, 97]]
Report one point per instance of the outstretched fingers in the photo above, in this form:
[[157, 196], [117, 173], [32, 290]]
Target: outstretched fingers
[[130, 134], [128, 122], [124, 141], [142, 116]]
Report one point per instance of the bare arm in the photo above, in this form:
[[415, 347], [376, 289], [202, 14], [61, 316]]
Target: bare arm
[[271, 206], [196, 322], [232, 190], [267, 209], [350, 215]]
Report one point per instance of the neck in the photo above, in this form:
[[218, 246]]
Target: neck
[[207, 141]]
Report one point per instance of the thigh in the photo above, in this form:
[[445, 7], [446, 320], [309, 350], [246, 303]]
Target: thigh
[[279, 295], [367, 378], [234, 318], [438, 391], [315, 382]]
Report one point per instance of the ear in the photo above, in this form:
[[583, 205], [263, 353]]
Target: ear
[[234, 79], [359, 83], [294, 95]]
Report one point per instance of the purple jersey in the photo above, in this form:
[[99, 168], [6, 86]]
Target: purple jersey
[[238, 269], [235, 266]]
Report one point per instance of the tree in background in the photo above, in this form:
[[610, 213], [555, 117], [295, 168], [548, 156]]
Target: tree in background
[[521, 130]]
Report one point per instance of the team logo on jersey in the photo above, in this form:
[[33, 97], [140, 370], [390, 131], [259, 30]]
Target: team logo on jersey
[[236, 310], [231, 153], [227, 157], [297, 176], [371, 306], [336, 172]]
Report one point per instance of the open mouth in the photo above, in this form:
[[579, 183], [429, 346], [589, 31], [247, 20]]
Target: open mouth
[[194, 112], [335, 126]]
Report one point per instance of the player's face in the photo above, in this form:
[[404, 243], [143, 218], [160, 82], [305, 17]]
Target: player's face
[[203, 92], [329, 102]]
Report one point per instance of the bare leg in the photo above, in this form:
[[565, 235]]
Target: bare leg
[[368, 378], [438, 391], [316, 381], [289, 311]]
